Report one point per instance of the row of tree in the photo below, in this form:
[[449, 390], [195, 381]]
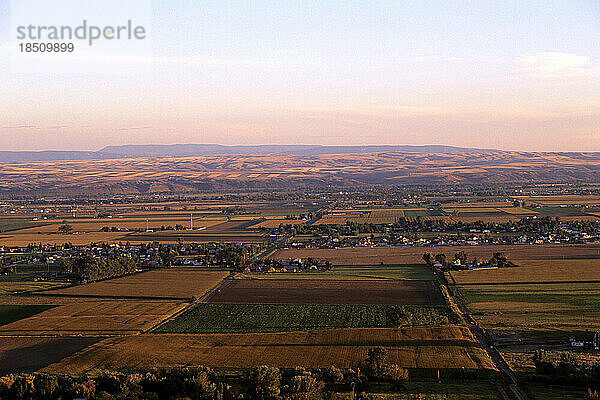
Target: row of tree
[[568, 368], [257, 383], [90, 268], [543, 225]]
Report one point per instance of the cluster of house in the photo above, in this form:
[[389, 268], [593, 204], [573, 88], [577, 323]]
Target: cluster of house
[[457, 264], [474, 238], [288, 266], [586, 340]]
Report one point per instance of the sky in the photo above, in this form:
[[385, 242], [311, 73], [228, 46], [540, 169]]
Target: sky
[[513, 74]]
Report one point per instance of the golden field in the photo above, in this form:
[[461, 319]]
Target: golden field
[[342, 347]]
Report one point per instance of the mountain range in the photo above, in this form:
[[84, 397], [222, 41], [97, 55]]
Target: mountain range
[[191, 150]]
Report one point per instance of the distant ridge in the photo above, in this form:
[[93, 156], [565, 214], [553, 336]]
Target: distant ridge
[[189, 150]]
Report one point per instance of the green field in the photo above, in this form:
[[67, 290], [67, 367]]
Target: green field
[[246, 318], [359, 272], [10, 314], [15, 225], [556, 309]]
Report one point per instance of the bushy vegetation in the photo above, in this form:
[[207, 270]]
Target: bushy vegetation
[[568, 368], [243, 318], [200, 383], [90, 268]]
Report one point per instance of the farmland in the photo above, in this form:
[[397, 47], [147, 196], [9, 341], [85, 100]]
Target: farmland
[[343, 348], [92, 318], [30, 354], [316, 291], [551, 310], [11, 313], [528, 271], [412, 255], [243, 318], [172, 284], [356, 272]]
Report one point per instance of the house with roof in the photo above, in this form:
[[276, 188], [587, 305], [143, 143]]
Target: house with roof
[[586, 340]]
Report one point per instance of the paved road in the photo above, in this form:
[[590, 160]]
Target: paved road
[[494, 354], [479, 334]]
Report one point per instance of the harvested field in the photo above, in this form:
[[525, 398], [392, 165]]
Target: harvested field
[[529, 271], [243, 318], [412, 255], [358, 272], [172, 283], [93, 318], [343, 348], [274, 223], [12, 313], [29, 354], [316, 291]]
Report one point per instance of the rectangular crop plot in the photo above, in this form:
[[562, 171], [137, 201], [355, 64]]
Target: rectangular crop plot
[[29, 354], [243, 318], [318, 291], [93, 318], [172, 283], [446, 347]]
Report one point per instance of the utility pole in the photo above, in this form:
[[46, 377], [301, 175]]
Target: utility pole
[[191, 223]]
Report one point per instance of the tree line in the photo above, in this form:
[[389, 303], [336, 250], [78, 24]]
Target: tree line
[[201, 383]]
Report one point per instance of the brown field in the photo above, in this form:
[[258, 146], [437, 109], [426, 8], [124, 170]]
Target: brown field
[[518, 211], [412, 255], [29, 354], [342, 347], [487, 218], [171, 283], [274, 223], [534, 271], [317, 291], [23, 239], [94, 318]]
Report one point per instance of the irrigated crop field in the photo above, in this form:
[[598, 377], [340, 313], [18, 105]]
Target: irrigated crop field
[[446, 347], [550, 310], [317, 291], [243, 318]]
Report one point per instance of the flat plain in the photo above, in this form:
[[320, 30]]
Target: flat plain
[[245, 318], [317, 291], [178, 283], [412, 255], [343, 348]]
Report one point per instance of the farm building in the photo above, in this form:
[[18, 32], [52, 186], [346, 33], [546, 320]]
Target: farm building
[[590, 340]]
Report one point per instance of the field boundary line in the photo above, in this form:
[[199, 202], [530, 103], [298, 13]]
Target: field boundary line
[[198, 300]]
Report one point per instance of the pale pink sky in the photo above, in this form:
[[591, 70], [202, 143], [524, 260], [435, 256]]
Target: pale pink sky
[[501, 75]]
